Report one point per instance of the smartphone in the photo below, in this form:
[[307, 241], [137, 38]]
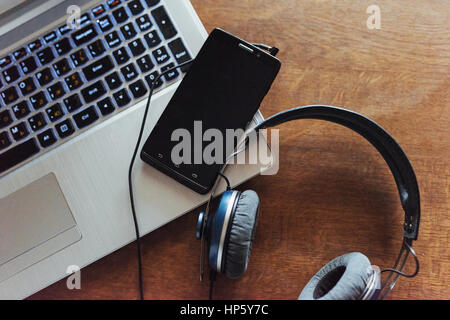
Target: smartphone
[[222, 89]]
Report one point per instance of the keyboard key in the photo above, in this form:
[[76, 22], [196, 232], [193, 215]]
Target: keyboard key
[[121, 56], [50, 37], [35, 45], [113, 3], [164, 23], [46, 138], [56, 91], [61, 67], [112, 39], [151, 78], [54, 112], [135, 7], [152, 39], [129, 72], [72, 102], [5, 119], [19, 131], [136, 47], [138, 89], [98, 68], [38, 100], [113, 80], [63, 46], [11, 74], [21, 109], [20, 53], [145, 63], [85, 18], [84, 35], [64, 128], [180, 53], [37, 121], [121, 97], [5, 61], [104, 23], [96, 48], [93, 92], [4, 140], [105, 106], [151, 3], [18, 154], [28, 65], [120, 15], [144, 22], [44, 76], [65, 28], [73, 81], [27, 86], [9, 95], [161, 55], [79, 57], [85, 117], [45, 56], [98, 10], [128, 31], [172, 75]]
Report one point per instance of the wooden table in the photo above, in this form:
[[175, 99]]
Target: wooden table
[[333, 193]]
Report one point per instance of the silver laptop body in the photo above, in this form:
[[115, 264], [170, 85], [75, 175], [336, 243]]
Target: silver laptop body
[[63, 184]]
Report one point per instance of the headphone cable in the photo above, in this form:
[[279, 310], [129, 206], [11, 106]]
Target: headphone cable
[[212, 278], [226, 180], [130, 170], [401, 273], [272, 51]]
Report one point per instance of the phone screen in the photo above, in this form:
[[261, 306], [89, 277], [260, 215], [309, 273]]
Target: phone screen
[[222, 90]]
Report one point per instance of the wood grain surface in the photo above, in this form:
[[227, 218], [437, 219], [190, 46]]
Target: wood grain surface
[[333, 193]]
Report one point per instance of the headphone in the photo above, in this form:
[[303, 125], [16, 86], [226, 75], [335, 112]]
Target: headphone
[[230, 229]]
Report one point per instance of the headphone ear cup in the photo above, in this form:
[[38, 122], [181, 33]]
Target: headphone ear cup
[[343, 278], [241, 234]]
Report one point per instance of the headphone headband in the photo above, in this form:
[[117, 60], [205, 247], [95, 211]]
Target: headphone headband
[[391, 151]]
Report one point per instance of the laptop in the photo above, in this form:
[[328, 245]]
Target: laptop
[[71, 103]]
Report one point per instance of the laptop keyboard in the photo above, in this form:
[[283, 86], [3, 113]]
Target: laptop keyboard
[[67, 81]]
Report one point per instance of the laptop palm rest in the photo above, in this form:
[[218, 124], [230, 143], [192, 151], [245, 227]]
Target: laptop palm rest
[[36, 222]]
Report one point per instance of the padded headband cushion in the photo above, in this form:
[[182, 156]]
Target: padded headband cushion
[[343, 278], [241, 234]]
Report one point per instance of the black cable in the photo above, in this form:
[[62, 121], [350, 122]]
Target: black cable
[[212, 278], [130, 182], [411, 250], [226, 180], [272, 50]]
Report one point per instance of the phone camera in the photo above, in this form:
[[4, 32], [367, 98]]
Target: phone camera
[[258, 55]]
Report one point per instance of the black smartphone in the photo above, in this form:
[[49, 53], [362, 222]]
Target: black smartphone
[[223, 89]]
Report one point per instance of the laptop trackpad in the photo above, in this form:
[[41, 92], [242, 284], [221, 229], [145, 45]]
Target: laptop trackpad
[[35, 223]]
